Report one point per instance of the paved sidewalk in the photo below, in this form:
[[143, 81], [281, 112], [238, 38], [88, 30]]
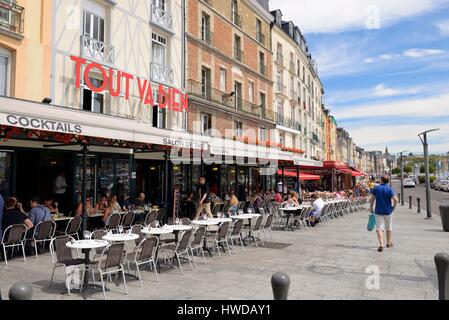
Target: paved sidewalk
[[325, 262]]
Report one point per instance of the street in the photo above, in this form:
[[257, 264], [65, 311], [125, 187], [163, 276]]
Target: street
[[438, 197]]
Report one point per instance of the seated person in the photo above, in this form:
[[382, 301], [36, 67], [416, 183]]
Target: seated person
[[51, 205], [79, 209], [234, 202], [125, 202], [37, 214], [292, 201], [12, 215], [114, 205], [278, 198], [140, 202], [318, 206]]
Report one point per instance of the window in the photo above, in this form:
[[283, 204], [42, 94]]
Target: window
[[293, 114], [223, 79], [238, 48], [262, 67], [4, 72], [94, 33], [280, 58], [279, 83], [206, 83], [93, 26], [234, 11], [251, 91], [161, 4], [238, 95], [238, 129], [259, 36], [93, 102], [159, 49], [206, 124], [298, 66], [281, 139], [205, 28], [294, 141], [262, 134], [159, 117], [262, 105]]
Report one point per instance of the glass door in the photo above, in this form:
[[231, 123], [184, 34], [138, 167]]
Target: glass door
[[90, 177], [123, 177]]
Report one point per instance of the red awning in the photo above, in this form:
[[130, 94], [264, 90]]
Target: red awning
[[352, 172], [302, 176]]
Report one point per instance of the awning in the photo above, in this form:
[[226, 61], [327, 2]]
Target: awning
[[352, 172], [302, 176]]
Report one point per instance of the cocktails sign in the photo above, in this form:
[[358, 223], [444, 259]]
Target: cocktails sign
[[170, 98]]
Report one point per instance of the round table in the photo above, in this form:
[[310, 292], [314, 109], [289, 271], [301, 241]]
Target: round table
[[291, 211], [156, 231], [121, 237], [176, 228], [246, 216], [86, 246]]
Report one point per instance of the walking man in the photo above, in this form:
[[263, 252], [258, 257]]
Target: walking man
[[204, 199], [386, 200]]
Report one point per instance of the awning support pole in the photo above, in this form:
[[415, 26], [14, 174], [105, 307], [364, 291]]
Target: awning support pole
[[84, 187]]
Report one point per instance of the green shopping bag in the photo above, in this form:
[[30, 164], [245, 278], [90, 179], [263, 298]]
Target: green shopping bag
[[371, 221]]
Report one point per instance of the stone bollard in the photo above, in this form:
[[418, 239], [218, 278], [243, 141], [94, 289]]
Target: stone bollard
[[280, 282], [444, 213], [409, 202], [20, 291], [419, 204], [442, 264]]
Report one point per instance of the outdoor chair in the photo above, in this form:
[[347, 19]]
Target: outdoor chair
[[221, 237], [62, 256], [237, 234], [215, 210], [145, 254], [73, 227], [197, 244], [160, 214], [179, 249], [185, 222], [150, 217], [226, 207], [113, 222], [128, 220], [14, 236], [137, 229], [267, 227], [256, 229], [43, 232], [110, 262]]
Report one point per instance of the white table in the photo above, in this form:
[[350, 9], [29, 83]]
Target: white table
[[86, 246], [246, 216], [291, 210], [60, 218], [156, 231], [121, 237]]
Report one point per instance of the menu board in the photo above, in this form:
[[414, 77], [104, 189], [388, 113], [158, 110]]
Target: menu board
[[176, 203]]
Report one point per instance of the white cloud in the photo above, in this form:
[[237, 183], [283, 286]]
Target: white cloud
[[435, 106], [386, 57], [382, 91], [421, 53], [443, 26], [342, 15]]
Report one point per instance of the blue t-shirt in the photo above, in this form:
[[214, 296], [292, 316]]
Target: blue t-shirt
[[383, 194]]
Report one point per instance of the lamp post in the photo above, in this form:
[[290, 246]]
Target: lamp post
[[423, 137], [402, 176]]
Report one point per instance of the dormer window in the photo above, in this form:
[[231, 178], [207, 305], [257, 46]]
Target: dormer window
[[279, 18], [290, 30]]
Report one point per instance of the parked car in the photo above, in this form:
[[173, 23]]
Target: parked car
[[434, 183], [409, 183], [444, 185], [441, 185]]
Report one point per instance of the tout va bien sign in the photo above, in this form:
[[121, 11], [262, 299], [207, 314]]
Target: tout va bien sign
[[113, 80]]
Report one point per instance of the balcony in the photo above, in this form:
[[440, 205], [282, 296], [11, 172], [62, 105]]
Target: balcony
[[237, 20], [280, 58], [161, 18], [287, 122], [238, 54], [97, 51], [12, 19], [161, 74], [260, 38], [208, 93], [207, 37]]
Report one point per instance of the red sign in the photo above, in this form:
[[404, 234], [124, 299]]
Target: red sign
[[113, 80]]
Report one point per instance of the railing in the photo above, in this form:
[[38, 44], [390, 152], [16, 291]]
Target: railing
[[280, 58], [161, 18], [263, 69], [238, 54], [207, 37], [208, 93], [237, 20], [160, 73], [287, 122], [11, 17], [97, 51], [260, 37]]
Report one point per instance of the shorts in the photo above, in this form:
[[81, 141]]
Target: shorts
[[384, 222]]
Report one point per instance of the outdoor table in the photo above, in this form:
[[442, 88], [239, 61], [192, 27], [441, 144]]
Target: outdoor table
[[176, 229], [291, 211], [60, 217], [86, 246]]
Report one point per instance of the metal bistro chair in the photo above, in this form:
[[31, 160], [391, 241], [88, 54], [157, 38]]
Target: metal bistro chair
[[42, 233], [256, 229], [226, 207], [128, 219], [185, 222], [180, 249], [113, 222], [237, 234], [137, 229], [62, 256], [14, 236], [267, 227], [215, 210], [197, 244], [222, 237], [110, 262], [73, 227], [160, 214], [146, 254], [151, 217]]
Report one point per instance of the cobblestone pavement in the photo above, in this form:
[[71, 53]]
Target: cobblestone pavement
[[326, 262]]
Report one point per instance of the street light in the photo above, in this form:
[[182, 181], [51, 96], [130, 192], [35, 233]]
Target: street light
[[423, 137], [402, 176]]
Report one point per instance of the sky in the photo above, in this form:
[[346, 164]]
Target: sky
[[384, 65]]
